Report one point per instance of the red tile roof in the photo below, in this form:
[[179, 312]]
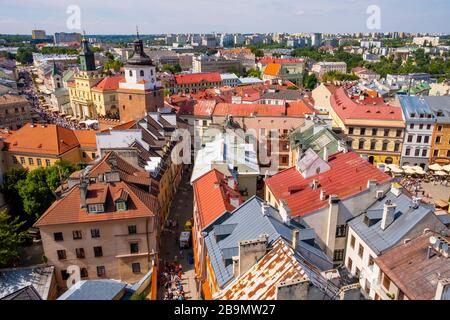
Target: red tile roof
[[109, 83], [204, 108], [67, 210], [298, 108], [43, 139], [246, 110], [268, 60], [197, 78], [86, 138], [410, 269], [272, 69], [368, 109], [212, 195], [348, 176]]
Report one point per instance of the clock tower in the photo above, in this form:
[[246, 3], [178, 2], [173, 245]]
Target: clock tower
[[140, 92]]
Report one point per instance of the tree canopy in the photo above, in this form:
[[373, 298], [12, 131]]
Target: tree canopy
[[11, 238], [310, 81]]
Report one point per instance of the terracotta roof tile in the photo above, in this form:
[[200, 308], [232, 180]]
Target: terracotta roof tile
[[348, 176], [370, 108], [197, 78], [272, 69], [409, 267], [43, 139], [86, 138], [212, 197], [260, 282], [109, 83], [246, 110], [68, 209]]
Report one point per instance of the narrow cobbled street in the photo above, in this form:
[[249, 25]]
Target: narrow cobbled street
[[181, 211]]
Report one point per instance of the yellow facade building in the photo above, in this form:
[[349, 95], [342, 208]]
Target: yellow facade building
[[374, 129], [35, 146]]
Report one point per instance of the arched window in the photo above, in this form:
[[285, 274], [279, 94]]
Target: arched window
[[142, 73], [131, 73]]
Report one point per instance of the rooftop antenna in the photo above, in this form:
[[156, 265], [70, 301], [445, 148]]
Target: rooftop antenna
[[137, 32]]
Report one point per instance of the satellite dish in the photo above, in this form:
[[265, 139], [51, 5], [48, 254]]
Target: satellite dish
[[433, 240]]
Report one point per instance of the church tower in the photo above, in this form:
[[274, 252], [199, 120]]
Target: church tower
[[81, 95], [140, 93], [87, 58]]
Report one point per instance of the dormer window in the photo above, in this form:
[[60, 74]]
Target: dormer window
[[96, 208], [121, 206]]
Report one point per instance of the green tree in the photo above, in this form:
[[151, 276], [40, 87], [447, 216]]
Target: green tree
[[58, 173], [12, 197], [25, 55], [11, 238], [171, 68], [310, 81], [254, 73], [35, 192]]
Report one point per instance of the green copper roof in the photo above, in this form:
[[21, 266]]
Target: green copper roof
[[316, 138]]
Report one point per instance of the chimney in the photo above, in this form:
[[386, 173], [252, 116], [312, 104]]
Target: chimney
[[83, 193], [235, 266], [265, 209], [325, 154], [388, 215], [295, 234], [350, 292], [231, 182], [285, 211], [371, 185], [297, 289], [315, 184], [443, 290], [251, 251], [235, 201], [380, 194], [396, 189], [333, 213], [323, 195]]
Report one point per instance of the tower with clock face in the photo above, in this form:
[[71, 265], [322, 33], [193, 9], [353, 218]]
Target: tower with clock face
[[140, 92]]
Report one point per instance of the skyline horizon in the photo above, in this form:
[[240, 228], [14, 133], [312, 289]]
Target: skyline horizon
[[235, 16]]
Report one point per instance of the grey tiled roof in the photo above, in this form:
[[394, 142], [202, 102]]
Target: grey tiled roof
[[94, 290], [437, 104], [13, 280], [249, 223], [407, 218]]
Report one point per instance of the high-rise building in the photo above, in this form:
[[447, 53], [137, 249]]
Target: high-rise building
[[62, 37], [38, 34], [316, 39]]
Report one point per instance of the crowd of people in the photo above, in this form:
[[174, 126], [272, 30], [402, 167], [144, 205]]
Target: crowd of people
[[36, 106], [171, 281]]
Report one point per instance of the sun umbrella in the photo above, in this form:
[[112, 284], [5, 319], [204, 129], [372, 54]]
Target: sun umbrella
[[407, 168], [446, 168], [410, 171], [396, 169], [435, 167], [440, 173]]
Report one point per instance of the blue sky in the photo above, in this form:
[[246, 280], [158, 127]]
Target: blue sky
[[183, 16]]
